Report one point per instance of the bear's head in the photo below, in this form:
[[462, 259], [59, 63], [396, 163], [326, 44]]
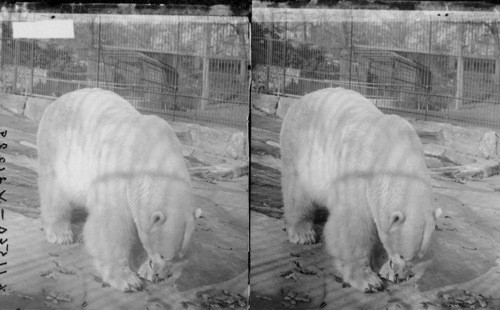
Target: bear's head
[[164, 215], [406, 218]]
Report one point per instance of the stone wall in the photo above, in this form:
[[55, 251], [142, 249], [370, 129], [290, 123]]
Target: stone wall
[[220, 142], [272, 105], [23, 83], [457, 151]]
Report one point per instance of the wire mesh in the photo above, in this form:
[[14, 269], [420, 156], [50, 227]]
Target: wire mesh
[[194, 67], [432, 65]]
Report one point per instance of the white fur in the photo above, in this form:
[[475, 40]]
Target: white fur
[[95, 150], [339, 151]]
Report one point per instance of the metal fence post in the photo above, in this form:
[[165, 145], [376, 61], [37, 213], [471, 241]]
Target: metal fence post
[[206, 66], [269, 60], [16, 63], [351, 51], [284, 59], [460, 68], [176, 65], [426, 111], [32, 64], [428, 74], [98, 51]]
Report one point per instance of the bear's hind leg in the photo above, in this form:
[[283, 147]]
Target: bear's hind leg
[[298, 212], [55, 210], [109, 238], [349, 239]]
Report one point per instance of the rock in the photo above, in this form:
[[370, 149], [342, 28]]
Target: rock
[[213, 140], [225, 171], [457, 158], [439, 156], [481, 169], [13, 103], [265, 103], [434, 150], [35, 107], [433, 162], [284, 104], [235, 147], [487, 145], [184, 137], [461, 139], [465, 140], [205, 159], [428, 132]]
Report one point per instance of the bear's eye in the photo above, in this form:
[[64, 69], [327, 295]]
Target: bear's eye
[[156, 219]]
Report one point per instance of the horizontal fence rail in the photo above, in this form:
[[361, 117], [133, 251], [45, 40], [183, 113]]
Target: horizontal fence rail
[[410, 62], [184, 67]]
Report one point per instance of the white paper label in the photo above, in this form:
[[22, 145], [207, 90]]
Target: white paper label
[[47, 29]]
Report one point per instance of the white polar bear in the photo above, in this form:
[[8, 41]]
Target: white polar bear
[[338, 150], [96, 150]]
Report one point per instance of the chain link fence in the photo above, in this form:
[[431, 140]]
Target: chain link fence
[[191, 67], [433, 65]]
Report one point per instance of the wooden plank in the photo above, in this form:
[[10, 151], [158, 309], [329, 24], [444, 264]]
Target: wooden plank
[[265, 142], [265, 190]]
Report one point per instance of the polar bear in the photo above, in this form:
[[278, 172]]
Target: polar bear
[[95, 150], [339, 151]]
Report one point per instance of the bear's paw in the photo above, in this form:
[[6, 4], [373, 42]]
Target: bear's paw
[[302, 233], [126, 282], [366, 281], [59, 234]]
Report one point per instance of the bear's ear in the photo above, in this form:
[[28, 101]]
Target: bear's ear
[[197, 213], [157, 218], [438, 212], [397, 218]]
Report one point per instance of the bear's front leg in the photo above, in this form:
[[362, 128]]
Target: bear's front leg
[[359, 275], [349, 238], [298, 210], [119, 275], [109, 237], [55, 210]]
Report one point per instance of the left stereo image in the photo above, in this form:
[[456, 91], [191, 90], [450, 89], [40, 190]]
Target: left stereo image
[[124, 161]]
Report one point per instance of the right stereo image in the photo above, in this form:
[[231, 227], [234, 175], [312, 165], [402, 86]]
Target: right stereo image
[[373, 159]]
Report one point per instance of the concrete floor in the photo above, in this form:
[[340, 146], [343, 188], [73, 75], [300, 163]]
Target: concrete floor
[[464, 255], [46, 276]]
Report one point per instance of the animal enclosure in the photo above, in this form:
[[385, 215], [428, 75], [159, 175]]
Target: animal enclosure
[[182, 66], [432, 65]]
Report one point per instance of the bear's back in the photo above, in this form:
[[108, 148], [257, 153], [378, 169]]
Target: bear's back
[[337, 135], [90, 134], [330, 105]]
